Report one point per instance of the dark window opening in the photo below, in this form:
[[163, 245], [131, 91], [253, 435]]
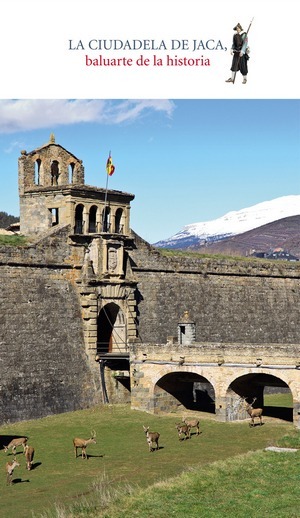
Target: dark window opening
[[118, 225], [54, 172], [106, 220], [54, 216], [79, 219], [93, 220], [182, 333], [37, 169]]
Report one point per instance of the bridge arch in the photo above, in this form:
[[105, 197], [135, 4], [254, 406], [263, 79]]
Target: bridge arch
[[183, 389], [255, 386], [157, 377]]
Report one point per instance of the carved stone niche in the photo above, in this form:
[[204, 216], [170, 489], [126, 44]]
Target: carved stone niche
[[113, 259]]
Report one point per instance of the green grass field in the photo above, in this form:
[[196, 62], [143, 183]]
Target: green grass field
[[13, 240], [121, 462]]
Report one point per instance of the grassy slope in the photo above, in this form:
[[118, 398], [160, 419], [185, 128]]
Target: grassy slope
[[255, 484], [120, 455]]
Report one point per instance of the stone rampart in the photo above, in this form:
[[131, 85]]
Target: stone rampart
[[43, 364], [51, 248], [229, 300]]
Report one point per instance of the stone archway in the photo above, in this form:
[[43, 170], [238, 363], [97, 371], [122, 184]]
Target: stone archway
[[111, 329], [183, 390], [255, 387]]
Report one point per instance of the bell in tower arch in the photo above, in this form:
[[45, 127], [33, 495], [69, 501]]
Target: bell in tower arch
[[54, 172]]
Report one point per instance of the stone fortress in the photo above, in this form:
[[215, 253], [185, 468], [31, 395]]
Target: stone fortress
[[91, 313]]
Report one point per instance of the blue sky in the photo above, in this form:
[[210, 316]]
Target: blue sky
[[186, 161]]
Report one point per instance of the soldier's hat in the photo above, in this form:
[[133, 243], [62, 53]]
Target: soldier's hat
[[238, 26]]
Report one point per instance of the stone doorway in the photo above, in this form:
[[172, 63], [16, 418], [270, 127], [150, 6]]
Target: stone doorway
[[111, 330]]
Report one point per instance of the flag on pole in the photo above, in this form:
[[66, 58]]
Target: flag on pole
[[110, 168]]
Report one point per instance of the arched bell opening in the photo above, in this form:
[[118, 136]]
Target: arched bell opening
[[119, 227], [71, 168], [37, 172], [55, 172]]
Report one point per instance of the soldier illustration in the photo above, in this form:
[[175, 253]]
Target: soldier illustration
[[240, 53]]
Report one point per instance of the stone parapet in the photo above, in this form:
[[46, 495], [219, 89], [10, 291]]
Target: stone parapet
[[246, 354]]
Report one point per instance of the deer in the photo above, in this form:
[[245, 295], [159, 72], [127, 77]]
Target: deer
[[152, 438], [253, 412], [9, 468], [82, 443], [183, 429], [192, 423], [29, 454], [19, 441]]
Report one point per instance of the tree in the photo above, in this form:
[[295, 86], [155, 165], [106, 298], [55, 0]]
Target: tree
[[7, 219]]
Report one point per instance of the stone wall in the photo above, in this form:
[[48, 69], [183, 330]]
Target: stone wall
[[44, 368], [229, 300], [45, 364], [53, 248]]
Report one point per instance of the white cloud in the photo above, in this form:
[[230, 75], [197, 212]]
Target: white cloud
[[26, 115]]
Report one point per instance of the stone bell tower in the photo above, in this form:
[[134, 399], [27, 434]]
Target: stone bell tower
[[46, 177], [53, 195]]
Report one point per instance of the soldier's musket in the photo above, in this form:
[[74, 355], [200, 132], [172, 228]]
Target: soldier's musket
[[239, 55]]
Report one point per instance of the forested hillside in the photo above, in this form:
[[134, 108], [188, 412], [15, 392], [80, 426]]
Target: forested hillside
[[7, 219]]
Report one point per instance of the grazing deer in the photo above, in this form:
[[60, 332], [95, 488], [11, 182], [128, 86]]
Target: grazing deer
[[192, 423], [183, 429], [82, 443], [29, 453], [253, 412], [152, 438], [20, 441], [9, 468]]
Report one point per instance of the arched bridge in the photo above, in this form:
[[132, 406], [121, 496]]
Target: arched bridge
[[213, 377]]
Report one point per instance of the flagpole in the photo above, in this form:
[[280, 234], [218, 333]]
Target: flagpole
[[105, 197]]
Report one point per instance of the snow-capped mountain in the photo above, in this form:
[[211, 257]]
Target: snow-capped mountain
[[234, 222]]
